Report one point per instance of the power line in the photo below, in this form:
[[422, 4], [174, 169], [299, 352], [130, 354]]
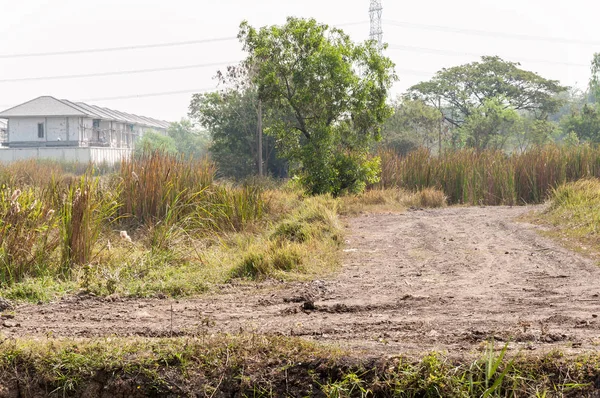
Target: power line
[[201, 90], [160, 94], [139, 46], [459, 53], [487, 33], [146, 95], [123, 48], [115, 73]]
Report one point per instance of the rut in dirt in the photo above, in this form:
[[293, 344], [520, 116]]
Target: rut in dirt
[[442, 279]]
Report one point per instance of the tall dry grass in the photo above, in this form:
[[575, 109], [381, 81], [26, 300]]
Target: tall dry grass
[[54, 221], [153, 183], [28, 235], [491, 177]]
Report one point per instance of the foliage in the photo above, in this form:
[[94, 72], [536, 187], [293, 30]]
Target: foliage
[[468, 90], [28, 235], [532, 133], [491, 177], [152, 141], [336, 91], [376, 200], [161, 225], [230, 117], [491, 125], [294, 242], [154, 181], [188, 141], [572, 99], [585, 123], [414, 124], [83, 211]]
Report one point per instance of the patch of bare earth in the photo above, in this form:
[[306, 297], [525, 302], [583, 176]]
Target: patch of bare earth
[[444, 279]]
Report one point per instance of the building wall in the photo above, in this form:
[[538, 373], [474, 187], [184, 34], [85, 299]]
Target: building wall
[[74, 130], [81, 155], [56, 128], [87, 129], [25, 129], [60, 130]]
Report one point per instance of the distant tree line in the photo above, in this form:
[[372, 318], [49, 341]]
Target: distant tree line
[[493, 104], [323, 104]]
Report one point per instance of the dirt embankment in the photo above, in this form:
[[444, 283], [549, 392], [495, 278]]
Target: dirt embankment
[[424, 280]]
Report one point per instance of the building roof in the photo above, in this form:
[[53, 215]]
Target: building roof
[[49, 106]]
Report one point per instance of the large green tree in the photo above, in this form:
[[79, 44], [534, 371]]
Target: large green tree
[[490, 125], [585, 123], [334, 89], [231, 118], [414, 124], [188, 140], [152, 141], [468, 89]]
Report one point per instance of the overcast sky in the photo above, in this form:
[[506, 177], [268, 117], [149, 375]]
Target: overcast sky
[[424, 36]]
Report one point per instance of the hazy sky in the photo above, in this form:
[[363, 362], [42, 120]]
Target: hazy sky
[[424, 36]]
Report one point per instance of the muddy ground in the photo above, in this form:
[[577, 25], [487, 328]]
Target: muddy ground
[[444, 279]]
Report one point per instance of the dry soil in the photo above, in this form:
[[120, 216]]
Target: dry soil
[[444, 279]]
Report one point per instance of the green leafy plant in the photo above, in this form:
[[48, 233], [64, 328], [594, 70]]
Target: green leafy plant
[[334, 92]]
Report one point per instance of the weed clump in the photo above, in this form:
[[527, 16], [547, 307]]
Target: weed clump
[[574, 213], [311, 231]]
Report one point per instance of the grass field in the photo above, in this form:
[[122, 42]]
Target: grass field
[[161, 226], [491, 177]]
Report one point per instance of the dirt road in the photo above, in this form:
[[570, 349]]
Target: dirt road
[[444, 279]]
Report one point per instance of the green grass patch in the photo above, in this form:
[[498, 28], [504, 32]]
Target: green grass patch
[[274, 366], [303, 244]]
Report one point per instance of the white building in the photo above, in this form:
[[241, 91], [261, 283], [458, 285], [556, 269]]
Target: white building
[[47, 127], [3, 132]]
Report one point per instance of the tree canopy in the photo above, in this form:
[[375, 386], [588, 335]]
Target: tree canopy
[[466, 88], [414, 124], [335, 93], [231, 120], [190, 142]]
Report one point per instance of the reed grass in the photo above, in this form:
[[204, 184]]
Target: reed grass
[[159, 225], [490, 177], [28, 235], [151, 183]]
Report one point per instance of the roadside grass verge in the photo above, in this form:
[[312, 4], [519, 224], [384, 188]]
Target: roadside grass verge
[[378, 200], [573, 215], [274, 366], [159, 226]]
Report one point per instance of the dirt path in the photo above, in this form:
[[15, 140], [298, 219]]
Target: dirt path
[[430, 279]]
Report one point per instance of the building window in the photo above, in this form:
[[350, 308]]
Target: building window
[[40, 130], [96, 123]]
